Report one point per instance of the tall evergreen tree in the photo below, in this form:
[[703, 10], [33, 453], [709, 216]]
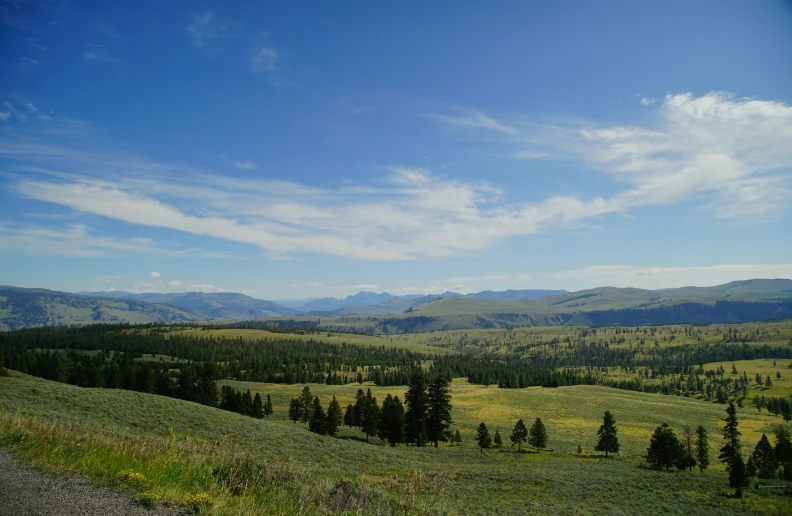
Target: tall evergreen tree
[[206, 387], [537, 435], [731, 435], [519, 434], [295, 409], [764, 459], [664, 447], [701, 448], [306, 404], [417, 402], [268, 406], [606, 435], [360, 407], [457, 439], [687, 459], [334, 417], [371, 416], [483, 438], [247, 404], [318, 423], [497, 441], [257, 410], [738, 477], [391, 426], [349, 416], [783, 451], [438, 417]]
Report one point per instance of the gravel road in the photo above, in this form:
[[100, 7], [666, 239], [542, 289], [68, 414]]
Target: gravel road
[[26, 491]]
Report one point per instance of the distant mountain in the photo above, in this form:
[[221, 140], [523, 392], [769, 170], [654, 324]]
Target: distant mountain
[[221, 305], [24, 307], [371, 303]]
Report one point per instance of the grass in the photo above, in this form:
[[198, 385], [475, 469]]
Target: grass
[[329, 337], [183, 449]]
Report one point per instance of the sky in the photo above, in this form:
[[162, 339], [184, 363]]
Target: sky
[[304, 149]]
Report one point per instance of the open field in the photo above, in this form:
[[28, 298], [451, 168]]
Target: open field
[[394, 341]]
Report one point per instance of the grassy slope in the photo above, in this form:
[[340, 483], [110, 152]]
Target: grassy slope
[[329, 337], [557, 483]]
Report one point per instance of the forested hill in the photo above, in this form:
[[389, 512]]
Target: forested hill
[[24, 308]]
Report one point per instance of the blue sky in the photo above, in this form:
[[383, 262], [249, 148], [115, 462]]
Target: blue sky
[[298, 149]]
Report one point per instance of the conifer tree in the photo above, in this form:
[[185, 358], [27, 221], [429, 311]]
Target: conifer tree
[[258, 407], [247, 404], [497, 441], [537, 436], [607, 440], [438, 417], [764, 458], [371, 416], [737, 474], [483, 438], [360, 407], [268, 406], [391, 426], [318, 423], [731, 435], [334, 417], [701, 448], [417, 402], [306, 404], [664, 448], [519, 434], [457, 440], [783, 451], [349, 416], [750, 467], [295, 409]]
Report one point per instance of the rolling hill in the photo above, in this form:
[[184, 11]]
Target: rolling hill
[[23, 308]]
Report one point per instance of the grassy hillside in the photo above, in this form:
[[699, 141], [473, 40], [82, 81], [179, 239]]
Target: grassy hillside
[[736, 302], [23, 308], [177, 445]]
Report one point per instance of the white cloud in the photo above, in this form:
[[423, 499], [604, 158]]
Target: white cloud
[[4, 115], [99, 54], [671, 277], [205, 28], [733, 153], [266, 59], [245, 165], [647, 101], [155, 275], [189, 286]]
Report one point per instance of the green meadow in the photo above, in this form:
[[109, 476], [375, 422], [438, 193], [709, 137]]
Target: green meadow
[[183, 449]]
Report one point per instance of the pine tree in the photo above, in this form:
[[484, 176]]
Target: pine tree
[[391, 426], [318, 423], [732, 437], [295, 410], [537, 436], [701, 448], [497, 441], [750, 468], [349, 416], [360, 407], [334, 417], [664, 448], [607, 441], [417, 403], [764, 458], [737, 474], [519, 434], [268, 406], [686, 460], [483, 438], [783, 451], [306, 404], [457, 439], [258, 407], [247, 404], [371, 416], [438, 417]]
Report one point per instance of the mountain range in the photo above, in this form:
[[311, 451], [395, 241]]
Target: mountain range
[[737, 301]]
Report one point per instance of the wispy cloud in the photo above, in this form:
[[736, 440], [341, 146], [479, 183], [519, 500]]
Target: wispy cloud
[[667, 277], [35, 43], [266, 59], [245, 165], [647, 101], [98, 53], [205, 28], [733, 153], [107, 30]]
